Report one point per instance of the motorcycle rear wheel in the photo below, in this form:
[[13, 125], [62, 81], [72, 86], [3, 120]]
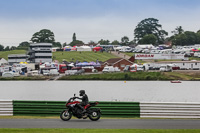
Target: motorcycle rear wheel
[[95, 115], [65, 115]]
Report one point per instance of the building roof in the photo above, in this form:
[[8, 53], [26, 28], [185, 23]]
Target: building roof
[[115, 60], [93, 44], [41, 44], [17, 55], [2, 60], [145, 46]]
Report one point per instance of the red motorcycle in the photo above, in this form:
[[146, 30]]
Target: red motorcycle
[[94, 114]]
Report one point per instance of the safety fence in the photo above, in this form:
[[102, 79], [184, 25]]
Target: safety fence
[[53, 108], [6, 108], [170, 110], [108, 109]]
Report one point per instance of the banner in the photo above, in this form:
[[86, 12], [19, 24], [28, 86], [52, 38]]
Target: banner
[[159, 56]]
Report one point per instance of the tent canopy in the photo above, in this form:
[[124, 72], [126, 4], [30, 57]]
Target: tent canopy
[[82, 64], [23, 63], [195, 50]]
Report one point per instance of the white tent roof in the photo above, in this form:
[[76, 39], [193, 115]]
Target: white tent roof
[[84, 46], [143, 46]]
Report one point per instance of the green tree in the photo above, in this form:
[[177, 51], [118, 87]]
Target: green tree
[[43, 36], [1, 47], [74, 37], [104, 42], [148, 39], [150, 26], [7, 48], [115, 42], [13, 48], [91, 42], [191, 37], [178, 30], [180, 39], [64, 44], [132, 42], [125, 40], [57, 44], [23, 45], [198, 37], [74, 43]]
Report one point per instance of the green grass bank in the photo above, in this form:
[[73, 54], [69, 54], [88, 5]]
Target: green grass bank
[[68, 56], [82, 56], [4, 54], [136, 76]]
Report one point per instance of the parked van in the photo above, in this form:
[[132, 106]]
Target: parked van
[[108, 69], [71, 72], [54, 72], [126, 49], [32, 73], [134, 68], [166, 68]]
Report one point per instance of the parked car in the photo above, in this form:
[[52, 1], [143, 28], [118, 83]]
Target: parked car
[[94, 70], [16, 74], [46, 72], [8, 74]]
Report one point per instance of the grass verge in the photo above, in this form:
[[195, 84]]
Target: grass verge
[[162, 76], [42, 130], [25, 78], [120, 76]]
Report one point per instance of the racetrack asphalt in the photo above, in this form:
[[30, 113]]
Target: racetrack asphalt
[[102, 123]]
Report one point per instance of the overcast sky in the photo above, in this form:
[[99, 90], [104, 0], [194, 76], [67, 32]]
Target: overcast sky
[[91, 19]]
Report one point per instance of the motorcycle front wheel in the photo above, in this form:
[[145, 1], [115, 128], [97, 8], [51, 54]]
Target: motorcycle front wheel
[[65, 115], [95, 115]]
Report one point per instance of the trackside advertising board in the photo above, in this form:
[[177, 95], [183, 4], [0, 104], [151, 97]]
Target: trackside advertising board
[[159, 56]]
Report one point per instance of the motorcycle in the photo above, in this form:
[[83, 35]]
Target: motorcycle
[[73, 109]]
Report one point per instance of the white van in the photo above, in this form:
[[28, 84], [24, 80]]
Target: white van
[[166, 68], [32, 73], [54, 72], [110, 69]]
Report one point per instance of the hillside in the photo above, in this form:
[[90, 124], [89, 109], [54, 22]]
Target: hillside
[[68, 56], [82, 56], [4, 54]]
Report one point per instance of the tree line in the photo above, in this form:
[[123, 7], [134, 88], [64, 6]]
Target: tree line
[[148, 31]]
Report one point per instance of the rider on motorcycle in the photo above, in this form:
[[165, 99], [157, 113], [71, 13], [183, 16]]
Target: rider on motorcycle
[[84, 99]]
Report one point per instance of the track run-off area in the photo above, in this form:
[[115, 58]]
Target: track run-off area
[[102, 123]]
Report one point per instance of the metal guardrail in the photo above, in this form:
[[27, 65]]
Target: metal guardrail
[[169, 110], [53, 108], [6, 108]]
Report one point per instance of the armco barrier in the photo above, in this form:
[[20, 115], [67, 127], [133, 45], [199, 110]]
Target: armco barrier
[[53, 108], [6, 108], [170, 110]]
